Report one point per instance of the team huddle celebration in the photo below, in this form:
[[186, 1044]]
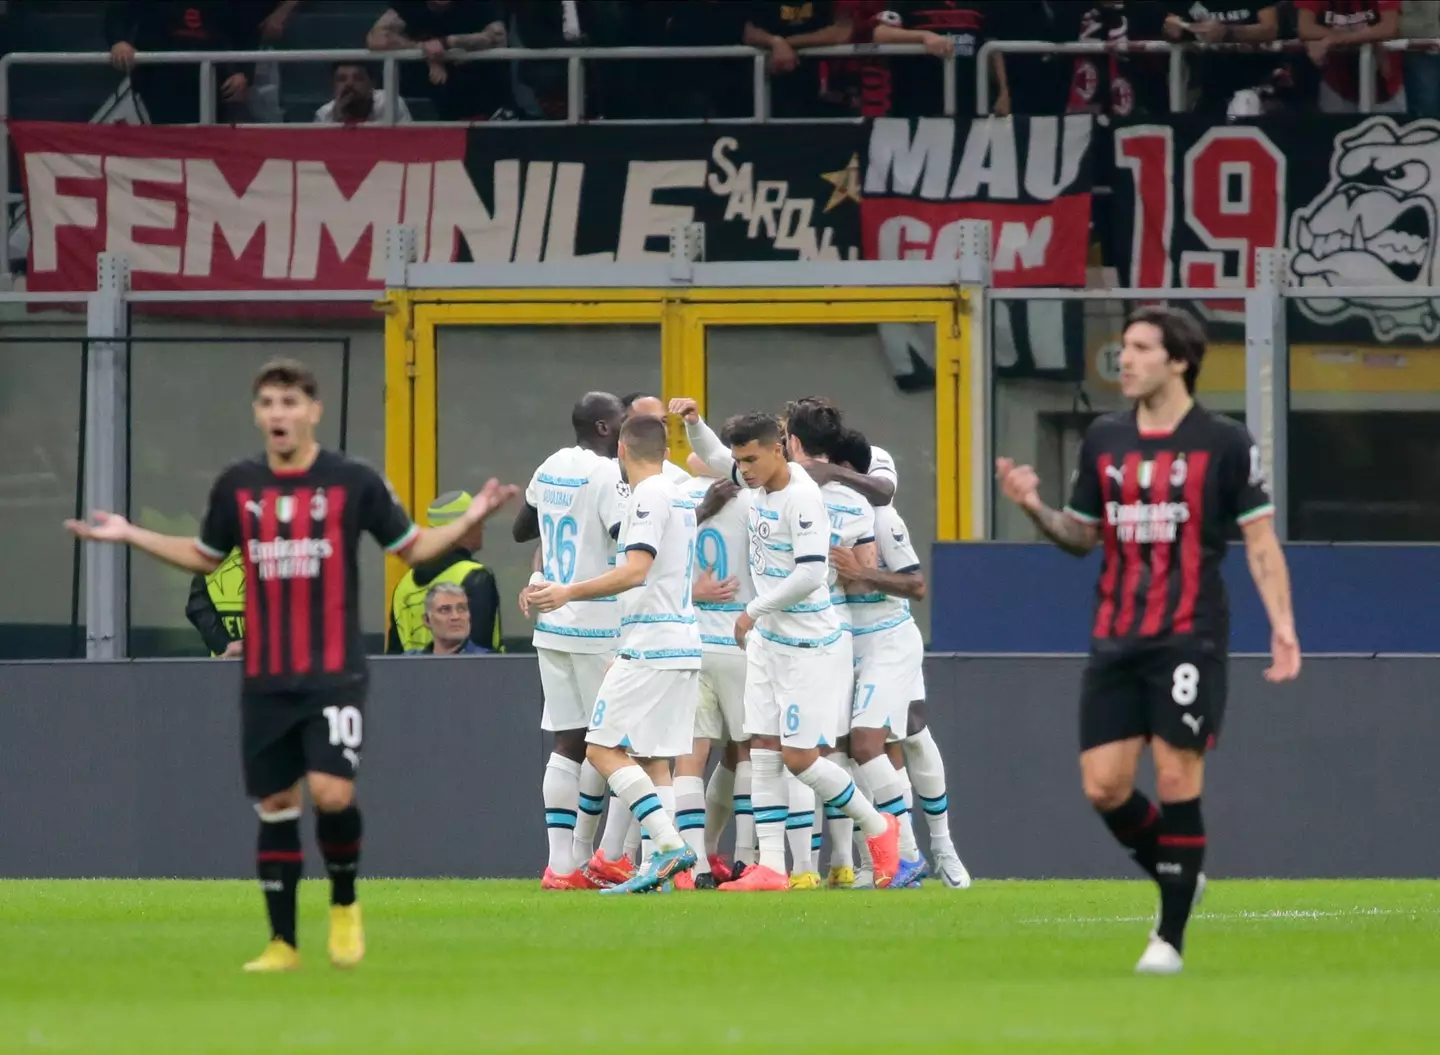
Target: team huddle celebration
[[755, 607]]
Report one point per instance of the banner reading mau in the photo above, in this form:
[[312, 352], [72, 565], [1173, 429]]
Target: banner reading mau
[[276, 208]]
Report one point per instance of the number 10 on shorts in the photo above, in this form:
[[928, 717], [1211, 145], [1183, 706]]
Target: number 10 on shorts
[[346, 729]]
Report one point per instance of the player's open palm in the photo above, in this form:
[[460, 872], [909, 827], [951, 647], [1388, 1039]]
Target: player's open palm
[[1019, 483], [101, 527], [1284, 656]]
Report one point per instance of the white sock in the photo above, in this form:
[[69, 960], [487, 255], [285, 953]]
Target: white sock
[[617, 824], [646, 803], [719, 805], [909, 849], [798, 824], [835, 787], [771, 809], [690, 817], [592, 804], [927, 773], [647, 837], [888, 790], [560, 789], [858, 841], [634, 838], [744, 813]]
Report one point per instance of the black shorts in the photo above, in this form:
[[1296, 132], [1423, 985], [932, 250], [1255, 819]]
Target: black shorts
[[1173, 691], [285, 735]]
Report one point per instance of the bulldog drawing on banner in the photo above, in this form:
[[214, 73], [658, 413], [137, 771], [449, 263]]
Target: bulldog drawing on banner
[[1375, 225]]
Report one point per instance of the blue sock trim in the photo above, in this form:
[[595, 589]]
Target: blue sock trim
[[834, 813], [895, 806], [771, 814], [689, 820], [560, 819], [841, 800], [816, 842], [646, 806], [939, 805], [800, 820], [592, 805]]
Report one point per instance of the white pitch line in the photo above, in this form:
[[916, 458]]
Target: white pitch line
[[1274, 914]]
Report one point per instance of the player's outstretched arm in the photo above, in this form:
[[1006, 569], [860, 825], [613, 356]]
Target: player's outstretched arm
[[876, 490], [437, 541], [176, 550], [1272, 580], [618, 579], [1021, 485], [703, 440]]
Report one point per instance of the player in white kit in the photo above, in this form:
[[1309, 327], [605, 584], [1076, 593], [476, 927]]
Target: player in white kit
[[814, 429], [573, 506], [890, 679], [789, 631], [644, 714]]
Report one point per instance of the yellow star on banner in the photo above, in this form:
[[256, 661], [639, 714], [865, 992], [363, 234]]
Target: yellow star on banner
[[846, 182]]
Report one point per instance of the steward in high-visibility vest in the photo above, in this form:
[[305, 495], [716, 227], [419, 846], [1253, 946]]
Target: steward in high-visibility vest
[[408, 632], [217, 604]]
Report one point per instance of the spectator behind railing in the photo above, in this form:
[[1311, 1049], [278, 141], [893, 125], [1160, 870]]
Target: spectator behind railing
[[1420, 20], [357, 101], [780, 29], [171, 94], [466, 91], [700, 89], [955, 27], [1220, 76], [1325, 23]]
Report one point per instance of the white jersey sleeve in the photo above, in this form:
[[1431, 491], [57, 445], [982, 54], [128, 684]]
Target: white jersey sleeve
[[852, 523], [893, 546], [871, 613], [789, 530], [611, 495], [883, 466]]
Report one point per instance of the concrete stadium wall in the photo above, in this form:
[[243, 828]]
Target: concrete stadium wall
[[133, 769]]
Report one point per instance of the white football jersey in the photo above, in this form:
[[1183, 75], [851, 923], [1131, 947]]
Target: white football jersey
[[787, 527], [720, 550], [657, 619], [580, 499], [871, 613], [676, 475], [852, 522], [883, 466]]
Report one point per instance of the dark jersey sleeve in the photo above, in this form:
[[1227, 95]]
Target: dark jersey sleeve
[[381, 513], [1244, 494], [200, 610], [220, 531], [483, 594], [1086, 500]]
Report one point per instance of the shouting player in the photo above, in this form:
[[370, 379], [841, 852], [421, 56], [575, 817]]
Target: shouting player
[[645, 708], [1161, 484], [296, 513], [573, 506]]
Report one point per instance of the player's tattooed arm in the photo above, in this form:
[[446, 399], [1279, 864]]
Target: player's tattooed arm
[[527, 525], [1065, 531], [1272, 581], [876, 490], [720, 494]]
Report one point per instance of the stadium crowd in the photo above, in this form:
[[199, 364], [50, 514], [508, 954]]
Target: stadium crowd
[[1263, 55]]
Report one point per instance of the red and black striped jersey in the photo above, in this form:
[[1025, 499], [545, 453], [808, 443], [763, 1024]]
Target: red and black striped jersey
[[299, 535], [1165, 504]]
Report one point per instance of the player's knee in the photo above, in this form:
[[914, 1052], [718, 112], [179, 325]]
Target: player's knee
[[1107, 791], [570, 743], [915, 720], [332, 796], [280, 802], [1177, 783]]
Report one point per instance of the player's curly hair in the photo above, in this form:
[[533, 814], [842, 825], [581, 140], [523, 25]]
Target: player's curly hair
[[1180, 333], [816, 423], [852, 449]]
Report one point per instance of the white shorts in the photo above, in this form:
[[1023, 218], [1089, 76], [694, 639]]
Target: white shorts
[[571, 682], [721, 713], [843, 698], [889, 675], [650, 711], [791, 693]]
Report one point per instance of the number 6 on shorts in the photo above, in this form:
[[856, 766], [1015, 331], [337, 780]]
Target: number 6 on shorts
[[792, 718]]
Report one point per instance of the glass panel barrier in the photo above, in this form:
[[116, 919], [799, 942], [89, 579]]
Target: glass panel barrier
[[1364, 421], [42, 384], [190, 416]]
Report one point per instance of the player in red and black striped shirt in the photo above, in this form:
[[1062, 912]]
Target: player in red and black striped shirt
[[296, 513], [1160, 486]]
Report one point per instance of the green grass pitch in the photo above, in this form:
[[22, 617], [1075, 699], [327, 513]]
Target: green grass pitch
[[458, 966]]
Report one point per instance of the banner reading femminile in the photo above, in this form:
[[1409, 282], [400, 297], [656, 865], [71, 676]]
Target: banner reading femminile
[[278, 208]]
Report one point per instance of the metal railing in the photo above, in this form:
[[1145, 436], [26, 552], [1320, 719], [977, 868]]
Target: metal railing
[[1175, 78]]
